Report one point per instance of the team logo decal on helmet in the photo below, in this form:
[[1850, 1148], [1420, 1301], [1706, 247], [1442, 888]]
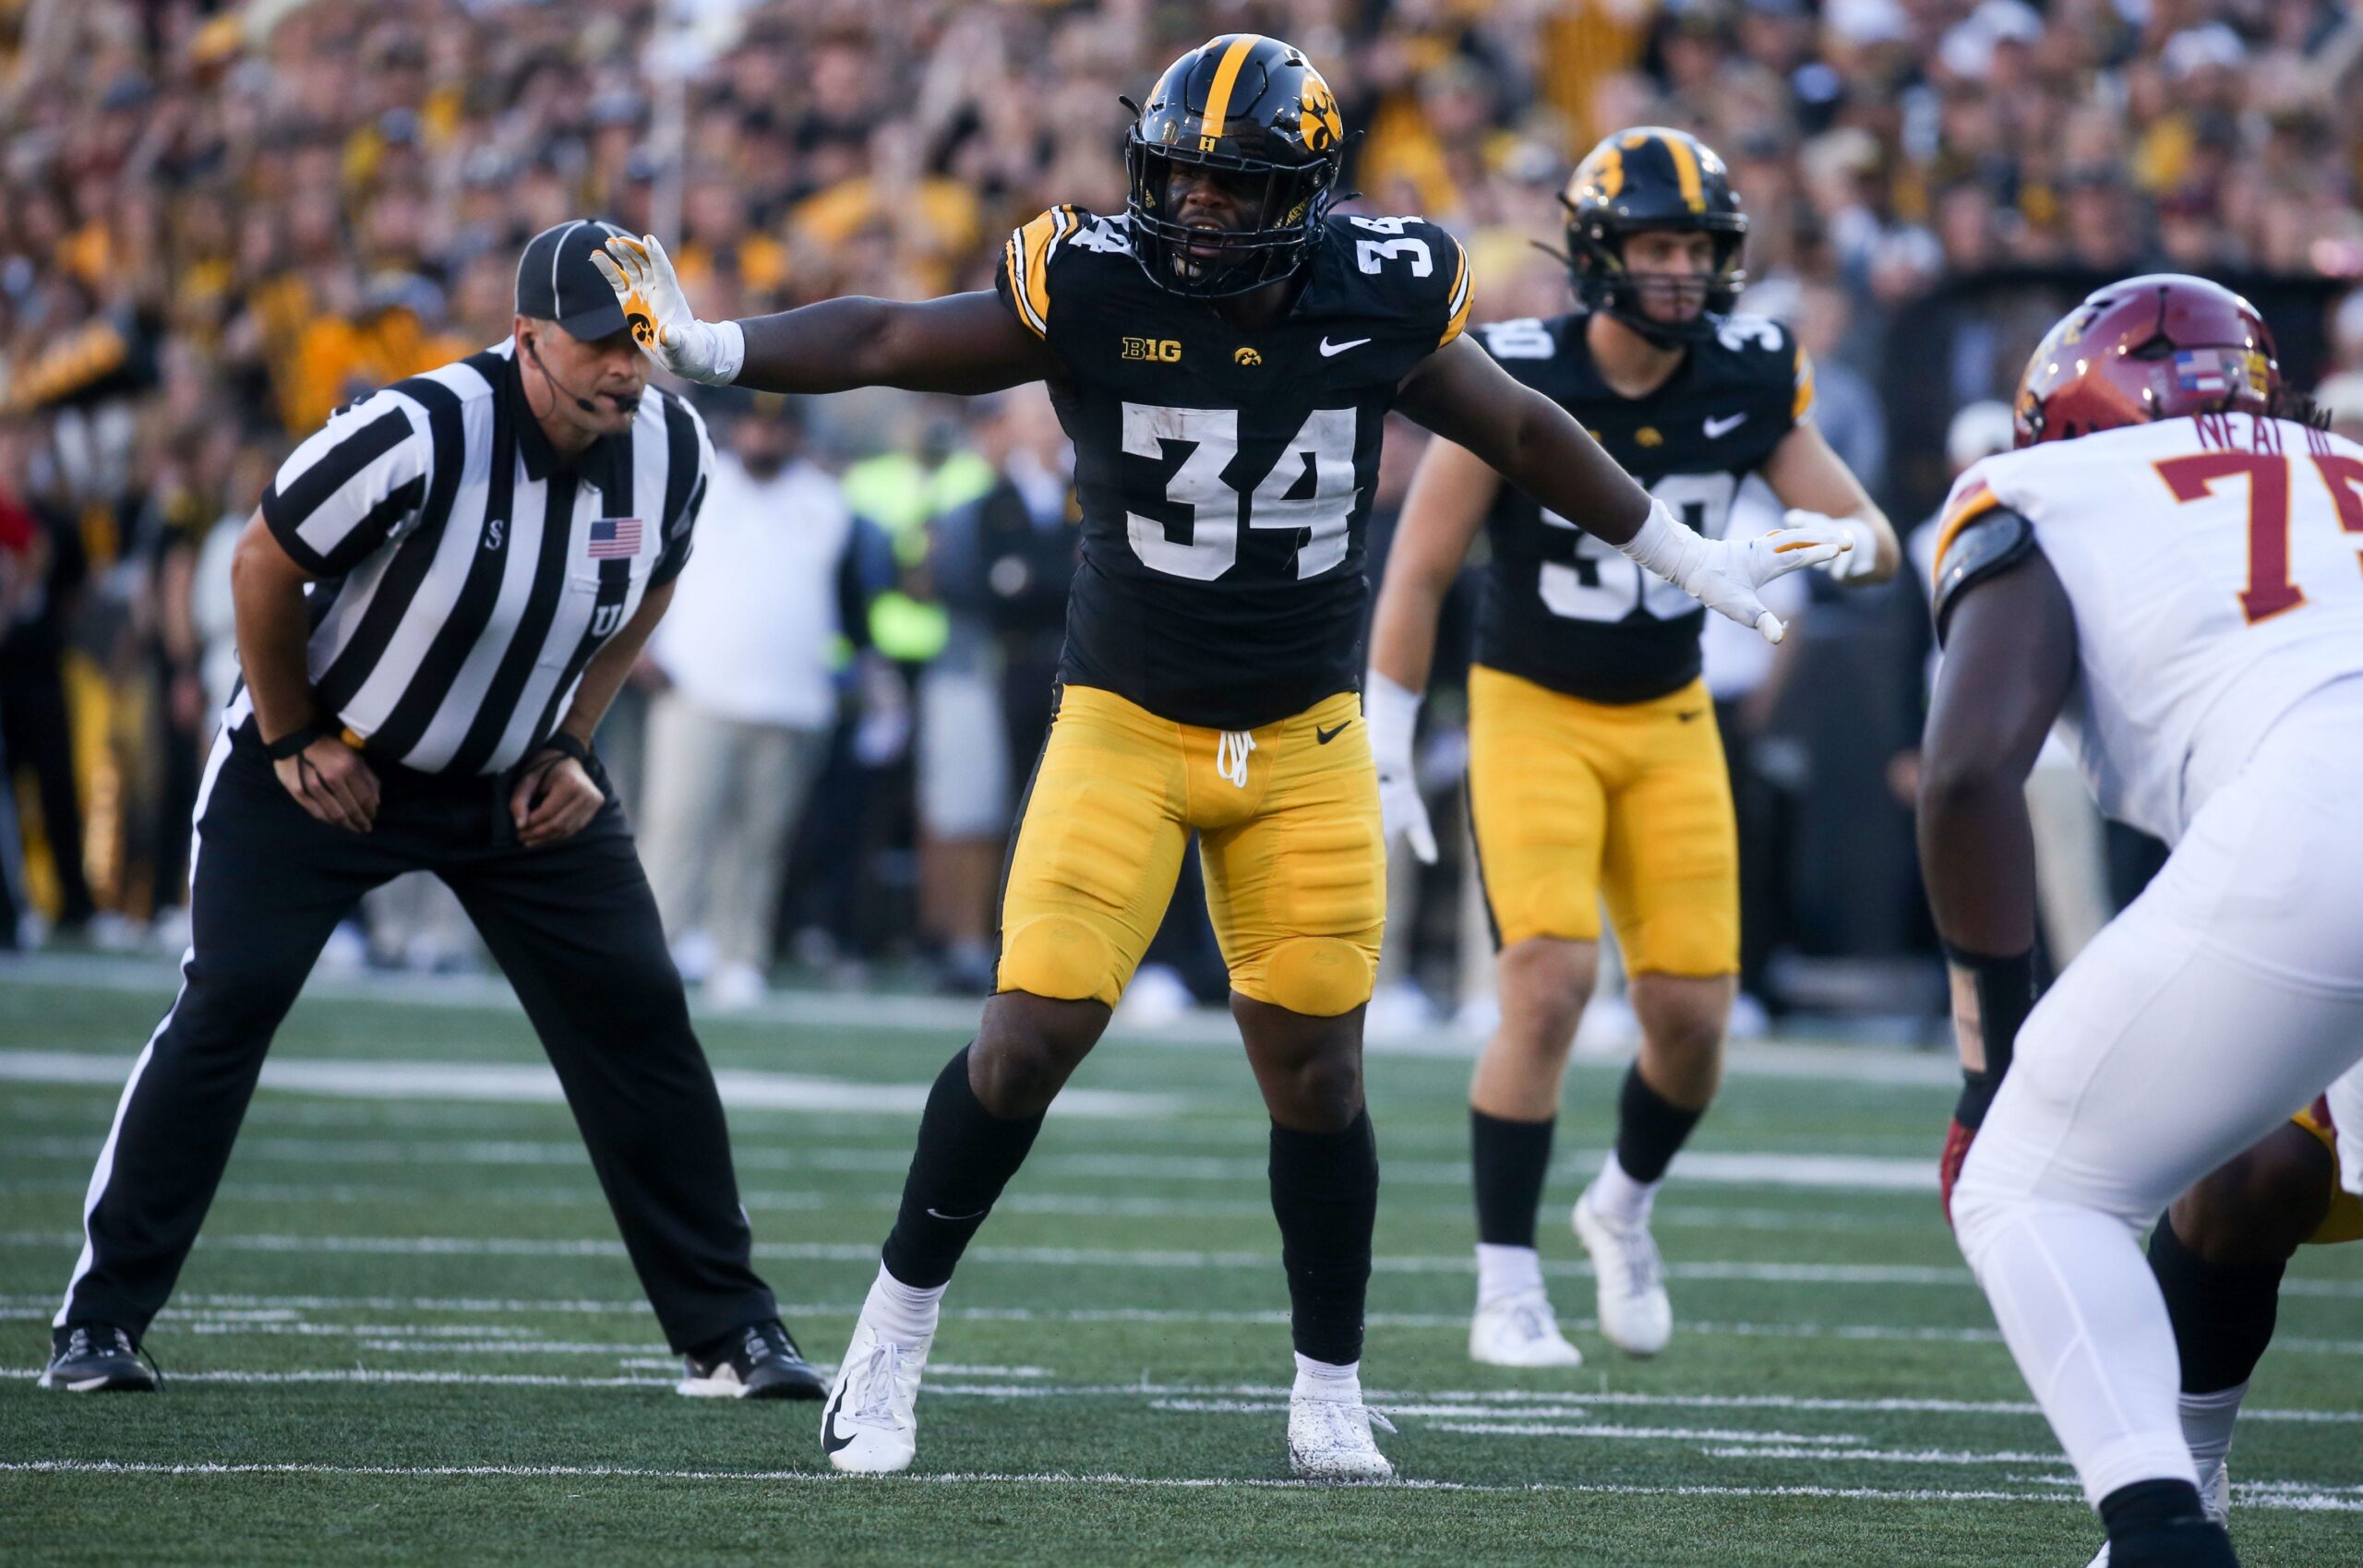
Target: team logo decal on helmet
[[1653, 179], [2154, 347], [1253, 111]]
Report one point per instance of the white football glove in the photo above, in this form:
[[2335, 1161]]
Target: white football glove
[[1393, 712], [658, 313], [1857, 562], [1723, 574]]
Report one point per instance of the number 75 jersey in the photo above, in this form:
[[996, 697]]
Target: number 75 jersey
[[1224, 474], [2213, 567]]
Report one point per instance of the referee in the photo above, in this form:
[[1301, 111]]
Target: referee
[[436, 604]]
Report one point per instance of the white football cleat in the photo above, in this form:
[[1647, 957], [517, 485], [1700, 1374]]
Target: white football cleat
[[1519, 1330], [1329, 1440], [2215, 1495], [870, 1425], [1634, 1313]]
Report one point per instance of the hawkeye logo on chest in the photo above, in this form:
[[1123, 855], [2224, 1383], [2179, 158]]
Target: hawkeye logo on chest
[[1160, 351]]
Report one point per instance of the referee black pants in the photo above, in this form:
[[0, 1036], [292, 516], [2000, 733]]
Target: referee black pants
[[575, 929]]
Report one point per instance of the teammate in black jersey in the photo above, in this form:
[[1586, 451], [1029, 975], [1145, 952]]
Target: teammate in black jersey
[[1594, 767], [1222, 355]]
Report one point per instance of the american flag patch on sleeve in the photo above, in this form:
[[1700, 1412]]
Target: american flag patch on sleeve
[[615, 537]]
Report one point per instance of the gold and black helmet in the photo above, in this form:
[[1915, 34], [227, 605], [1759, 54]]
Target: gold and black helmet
[[1652, 177], [1253, 109]]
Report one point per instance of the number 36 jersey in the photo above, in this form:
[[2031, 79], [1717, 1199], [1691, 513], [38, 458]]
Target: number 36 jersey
[[1224, 474], [2212, 565], [1562, 608]]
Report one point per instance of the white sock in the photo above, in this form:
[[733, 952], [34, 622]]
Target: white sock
[[1617, 1197], [903, 1313], [1323, 1380], [2207, 1421], [1507, 1271]]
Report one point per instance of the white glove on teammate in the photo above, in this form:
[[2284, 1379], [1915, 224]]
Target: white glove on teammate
[[1852, 563], [662, 323], [1723, 574], [1393, 712]]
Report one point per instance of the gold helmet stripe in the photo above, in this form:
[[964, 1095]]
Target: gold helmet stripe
[[1226, 78], [1686, 172]]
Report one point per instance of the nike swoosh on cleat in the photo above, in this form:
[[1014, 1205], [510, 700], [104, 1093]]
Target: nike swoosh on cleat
[[1323, 737], [1717, 428], [1329, 349], [829, 1441]]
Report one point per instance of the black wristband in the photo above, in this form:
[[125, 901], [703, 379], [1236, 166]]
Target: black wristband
[[294, 741], [2005, 989], [565, 745]]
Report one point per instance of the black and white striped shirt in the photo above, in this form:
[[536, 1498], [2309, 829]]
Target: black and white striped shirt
[[466, 572]]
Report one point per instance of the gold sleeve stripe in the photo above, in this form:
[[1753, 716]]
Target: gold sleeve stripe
[[1462, 295], [1030, 264], [1226, 78], [1975, 503], [1804, 403], [1685, 171]]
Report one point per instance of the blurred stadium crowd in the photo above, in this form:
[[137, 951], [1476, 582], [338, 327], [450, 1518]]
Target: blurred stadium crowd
[[226, 220]]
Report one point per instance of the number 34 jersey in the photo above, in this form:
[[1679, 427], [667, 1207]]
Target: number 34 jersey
[[1224, 474], [1562, 608], [2211, 563]]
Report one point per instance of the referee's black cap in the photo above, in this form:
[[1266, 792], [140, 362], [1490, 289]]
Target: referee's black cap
[[556, 283]]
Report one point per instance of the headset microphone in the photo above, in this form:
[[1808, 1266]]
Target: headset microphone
[[585, 404]]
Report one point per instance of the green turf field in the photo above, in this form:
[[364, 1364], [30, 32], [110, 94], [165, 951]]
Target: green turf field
[[409, 1334]]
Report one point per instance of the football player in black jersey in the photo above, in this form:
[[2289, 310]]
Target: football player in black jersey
[[1223, 354], [1595, 768]]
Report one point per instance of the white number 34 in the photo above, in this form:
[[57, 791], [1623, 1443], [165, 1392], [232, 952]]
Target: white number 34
[[1371, 255]]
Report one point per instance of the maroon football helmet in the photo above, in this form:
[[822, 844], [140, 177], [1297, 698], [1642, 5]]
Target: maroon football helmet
[[2156, 347]]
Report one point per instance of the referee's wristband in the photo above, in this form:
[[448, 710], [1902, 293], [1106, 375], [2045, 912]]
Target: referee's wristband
[[294, 741], [565, 745]]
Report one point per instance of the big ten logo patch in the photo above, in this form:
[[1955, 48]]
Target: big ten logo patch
[[1160, 351]]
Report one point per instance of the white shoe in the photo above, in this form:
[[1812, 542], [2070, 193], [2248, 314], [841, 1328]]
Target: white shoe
[[1519, 1330], [1329, 1440], [735, 988], [871, 1424], [2215, 1495], [1634, 1313]]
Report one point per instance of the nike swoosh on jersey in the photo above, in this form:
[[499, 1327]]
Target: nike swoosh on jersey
[[1329, 348], [1323, 737], [1717, 428]]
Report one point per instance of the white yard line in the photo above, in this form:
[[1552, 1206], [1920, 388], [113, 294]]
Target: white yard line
[[534, 1083], [2295, 1498]]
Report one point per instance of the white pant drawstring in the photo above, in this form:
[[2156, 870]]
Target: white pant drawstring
[[1231, 757]]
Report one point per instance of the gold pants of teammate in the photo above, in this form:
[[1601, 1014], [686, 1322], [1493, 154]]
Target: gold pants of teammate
[[1288, 838], [1575, 802]]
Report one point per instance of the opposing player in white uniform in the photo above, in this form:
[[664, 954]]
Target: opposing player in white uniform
[[2172, 570]]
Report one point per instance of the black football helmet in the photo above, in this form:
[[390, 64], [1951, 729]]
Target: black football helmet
[[1254, 109], [1651, 177]]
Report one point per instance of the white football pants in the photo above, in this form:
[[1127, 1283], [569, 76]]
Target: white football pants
[[2224, 999]]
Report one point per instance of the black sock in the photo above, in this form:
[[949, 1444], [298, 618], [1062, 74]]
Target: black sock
[[2223, 1313], [2162, 1523], [1650, 1127], [1510, 1160], [965, 1156], [1324, 1194]]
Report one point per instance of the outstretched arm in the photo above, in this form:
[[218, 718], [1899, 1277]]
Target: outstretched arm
[[1462, 395], [962, 343]]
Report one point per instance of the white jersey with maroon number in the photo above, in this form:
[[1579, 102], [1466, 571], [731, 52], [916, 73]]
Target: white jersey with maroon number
[[2212, 564]]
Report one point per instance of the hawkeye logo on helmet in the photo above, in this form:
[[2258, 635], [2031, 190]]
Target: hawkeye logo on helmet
[[1161, 350]]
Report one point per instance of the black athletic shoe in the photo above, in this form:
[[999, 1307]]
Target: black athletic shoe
[[96, 1359], [760, 1361]]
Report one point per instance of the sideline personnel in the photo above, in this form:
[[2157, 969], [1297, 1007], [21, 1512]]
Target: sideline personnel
[[435, 603]]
